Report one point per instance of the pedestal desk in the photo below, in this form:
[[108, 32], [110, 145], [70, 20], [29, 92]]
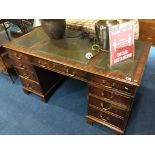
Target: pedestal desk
[[42, 63]]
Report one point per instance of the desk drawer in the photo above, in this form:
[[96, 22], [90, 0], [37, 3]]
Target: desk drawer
[[59, 68], [107, 107], [18, 56], [112, 84], [71, 72], [23, 66], [104, 117], [112, 96], [27, 75], [31, 85]]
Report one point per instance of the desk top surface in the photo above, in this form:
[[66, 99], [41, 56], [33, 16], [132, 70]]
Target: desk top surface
[[71, 51]]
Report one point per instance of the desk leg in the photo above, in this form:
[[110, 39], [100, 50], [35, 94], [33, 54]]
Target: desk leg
[[89, 121], [26, 92], [44, 99], [118, 133]]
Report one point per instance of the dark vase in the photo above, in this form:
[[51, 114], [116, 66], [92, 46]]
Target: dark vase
[[54, 28]]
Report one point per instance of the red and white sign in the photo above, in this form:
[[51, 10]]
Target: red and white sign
[[121, 40]]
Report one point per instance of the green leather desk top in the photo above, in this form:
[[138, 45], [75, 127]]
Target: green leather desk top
[[70, 47]]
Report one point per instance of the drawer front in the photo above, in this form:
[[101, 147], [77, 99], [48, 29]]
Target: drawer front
[[112, 84], [18, 56], [107, 107], [27, 75], [23, 66], [71, 72], [109, 95], [31, 85], [102, 116]]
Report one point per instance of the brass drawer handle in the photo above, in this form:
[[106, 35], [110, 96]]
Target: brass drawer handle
[[42, 64], [67, 70], [109, 108], [108, 87], [111, 97], [21, 66], [101, 104], [101, 116], [126, 88], [19, 57], [69, 74], [26, 76], [113, 85], [30, 86], [103, 81], [104, 119], [55, 65], [102, 94], [72, 75], [39, 61], [105, 109]]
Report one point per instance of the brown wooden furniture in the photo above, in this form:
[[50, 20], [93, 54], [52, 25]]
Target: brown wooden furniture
[[147, 30], [42, 63]]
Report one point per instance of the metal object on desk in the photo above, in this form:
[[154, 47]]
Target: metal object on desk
[[102, 32]]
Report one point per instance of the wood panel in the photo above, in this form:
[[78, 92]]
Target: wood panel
[[147, 30]]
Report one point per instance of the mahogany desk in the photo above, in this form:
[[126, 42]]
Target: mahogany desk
[[41, 64]]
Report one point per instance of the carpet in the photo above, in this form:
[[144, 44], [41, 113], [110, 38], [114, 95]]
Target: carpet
[[65, 112]]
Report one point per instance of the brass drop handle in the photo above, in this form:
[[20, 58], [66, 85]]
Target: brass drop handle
[[110, 107], [101, 104], [19, 57], [103, 119], [21, 65], [101, 115], [111, 97], [105, 109], [69, 74], [40, 63], [126, 88], [103, 81], [102, 94], [108, 87], [30, 86], [26, 76], [67, 70], [113, 84], [54, 65], [72, 75]]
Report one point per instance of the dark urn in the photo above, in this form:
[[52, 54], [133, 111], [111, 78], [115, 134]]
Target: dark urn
[[54, 28]]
